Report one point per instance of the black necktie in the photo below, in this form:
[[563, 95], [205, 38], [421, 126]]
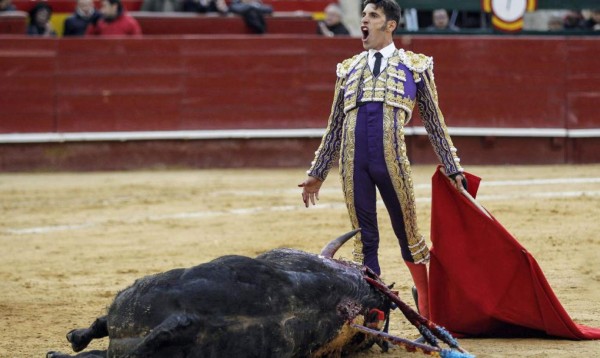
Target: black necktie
[[377, 67]]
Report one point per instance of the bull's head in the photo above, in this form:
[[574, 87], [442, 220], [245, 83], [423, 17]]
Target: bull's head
[[430, 331]]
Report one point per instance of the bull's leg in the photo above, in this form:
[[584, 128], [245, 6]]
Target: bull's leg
[[177, 329], [90, 354], [80, 338]]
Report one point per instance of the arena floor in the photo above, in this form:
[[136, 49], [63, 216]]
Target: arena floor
[[70, 241]]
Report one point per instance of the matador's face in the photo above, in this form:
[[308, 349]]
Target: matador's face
[[376, 31]]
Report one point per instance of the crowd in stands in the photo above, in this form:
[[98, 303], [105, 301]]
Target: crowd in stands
[[577, 20], [442, 20], [110, 19], [7, 5], [337, 18], [113, 19], [563, 20]]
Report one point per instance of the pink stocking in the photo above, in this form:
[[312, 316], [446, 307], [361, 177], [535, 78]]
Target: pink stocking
[[419, 275]]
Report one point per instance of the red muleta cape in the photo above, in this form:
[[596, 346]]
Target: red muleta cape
[[482, 282]]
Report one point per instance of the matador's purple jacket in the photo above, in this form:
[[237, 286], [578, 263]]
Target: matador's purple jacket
[[366, 131]]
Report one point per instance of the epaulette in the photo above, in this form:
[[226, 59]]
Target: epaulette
[[415, 61], [348, 64]]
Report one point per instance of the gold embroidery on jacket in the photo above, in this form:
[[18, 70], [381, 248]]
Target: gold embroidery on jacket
[[415, 62], [354, 83], [434, 123], [388, 87], [347, 179], [328, 150], [348, 64], [398, 166]]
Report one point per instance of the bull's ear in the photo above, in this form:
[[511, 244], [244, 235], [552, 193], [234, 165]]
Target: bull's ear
[[331, 248]]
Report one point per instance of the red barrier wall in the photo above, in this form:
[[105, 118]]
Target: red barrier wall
[[13, 22], [496, 82], [83, 85], [153, 23], [243, 82]]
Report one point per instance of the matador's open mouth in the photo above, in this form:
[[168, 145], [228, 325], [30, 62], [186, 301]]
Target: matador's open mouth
[[365, 32]]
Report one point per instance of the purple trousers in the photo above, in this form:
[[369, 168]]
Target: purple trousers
[[371, 174]]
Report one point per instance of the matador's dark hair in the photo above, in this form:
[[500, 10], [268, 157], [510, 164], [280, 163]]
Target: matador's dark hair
[[391, 9]]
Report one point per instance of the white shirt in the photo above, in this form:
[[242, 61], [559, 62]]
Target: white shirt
[[386, 52]]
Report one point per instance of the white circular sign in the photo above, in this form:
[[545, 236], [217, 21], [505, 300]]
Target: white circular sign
[[509, 10]]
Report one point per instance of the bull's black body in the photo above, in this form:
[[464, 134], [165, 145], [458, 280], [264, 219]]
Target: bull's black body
[[284, 303]]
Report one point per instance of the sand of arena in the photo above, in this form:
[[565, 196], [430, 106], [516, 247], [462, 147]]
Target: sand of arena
[[70, 241]]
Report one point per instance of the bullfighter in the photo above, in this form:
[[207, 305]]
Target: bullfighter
[[375, 93]]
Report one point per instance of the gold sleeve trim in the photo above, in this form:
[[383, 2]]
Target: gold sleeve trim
[[329, 148], [434, 123]]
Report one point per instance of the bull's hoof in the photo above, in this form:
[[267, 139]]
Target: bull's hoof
[[78, 340], [53, 354]]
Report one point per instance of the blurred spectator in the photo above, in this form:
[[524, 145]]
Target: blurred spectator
[[332, 25], [593, 23], [162, 5], [573, 20], [204, 6], [555, 23], [540, 20], [441, 21], [459, 20], [76, 24], [39, 20], [253, 12], [114, 21], [7, 5], [351, 15]]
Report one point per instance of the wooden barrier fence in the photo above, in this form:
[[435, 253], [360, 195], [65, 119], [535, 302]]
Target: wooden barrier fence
[[154, 101]]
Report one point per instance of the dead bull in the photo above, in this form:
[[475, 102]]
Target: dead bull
[[283, 303]]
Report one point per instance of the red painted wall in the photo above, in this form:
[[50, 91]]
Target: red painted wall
[[153, 23], [500, 82], [205, 82], [76, 85], [13, 22], [237, 82], [517, 82]]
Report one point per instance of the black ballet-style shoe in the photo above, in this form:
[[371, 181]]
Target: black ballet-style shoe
[[415, 295]]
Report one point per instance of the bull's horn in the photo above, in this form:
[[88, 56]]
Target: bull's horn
[[330, 249]]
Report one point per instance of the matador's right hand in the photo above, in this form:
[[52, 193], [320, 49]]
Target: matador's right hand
[[310, 190]]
